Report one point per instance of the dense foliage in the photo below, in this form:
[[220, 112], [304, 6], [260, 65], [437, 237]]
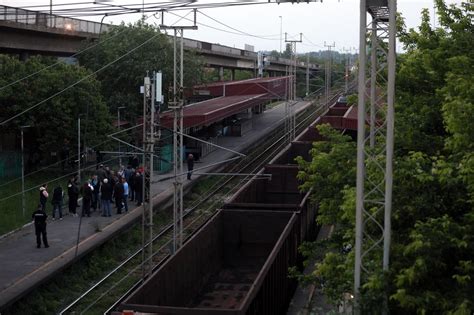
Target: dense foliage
[[111, 70], [121, 81], [432, 253], [56, 119]]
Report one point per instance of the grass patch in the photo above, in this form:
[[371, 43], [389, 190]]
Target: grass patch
[[11, 198], [53, 296]]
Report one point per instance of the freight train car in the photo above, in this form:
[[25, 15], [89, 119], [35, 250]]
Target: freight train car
[[237, 263]]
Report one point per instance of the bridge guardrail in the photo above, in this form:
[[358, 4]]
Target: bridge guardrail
[[46, 20], [17, 15]]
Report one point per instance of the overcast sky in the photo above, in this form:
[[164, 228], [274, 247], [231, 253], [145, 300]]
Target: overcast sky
[[332, 21]]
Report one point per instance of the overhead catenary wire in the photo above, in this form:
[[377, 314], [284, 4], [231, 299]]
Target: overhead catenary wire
[[150, 7], [80, 80], [100, 42], [226, 31], [57, 178], [71, 157], [49, 166], [65, 90], [237, 30]]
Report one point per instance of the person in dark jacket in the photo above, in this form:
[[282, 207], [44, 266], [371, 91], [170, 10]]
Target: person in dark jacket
[[39, 218], [73, 194], [106, 197], [101, 173], [131, 186], [95, 192], [190, 161], [86, 191], [135, 161], [57, 202], [138, 184], [43, 196], [118, 196]]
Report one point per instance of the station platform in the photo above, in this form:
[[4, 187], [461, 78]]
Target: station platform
[[24, 267]]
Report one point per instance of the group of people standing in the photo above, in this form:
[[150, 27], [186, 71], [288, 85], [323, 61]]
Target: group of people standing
[[104, 188], [99, 191]]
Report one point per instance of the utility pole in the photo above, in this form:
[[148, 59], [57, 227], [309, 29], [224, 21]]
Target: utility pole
[[374, 195], [307, 74], [328, 71], [281, 32], [148, 146], [347, 66], [151, 133], [290, 122], [23, 172], [177, 105], [79, 149], [118, 126]]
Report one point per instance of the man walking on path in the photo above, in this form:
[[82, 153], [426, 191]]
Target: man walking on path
[[57, 202], [106, 197], [39, 217], [73, 194], [190, 161], [43, 196], [86, 191]]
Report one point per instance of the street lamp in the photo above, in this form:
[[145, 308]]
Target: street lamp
[[118, 126], [79, 148], [22, 171], [281, 32]]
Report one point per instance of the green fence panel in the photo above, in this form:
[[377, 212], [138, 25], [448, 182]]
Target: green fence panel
[[165, 164], [10, 164]]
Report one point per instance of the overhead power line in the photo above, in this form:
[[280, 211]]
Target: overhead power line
[[237, 30], [100, 42], [80, 80], [241, 33]]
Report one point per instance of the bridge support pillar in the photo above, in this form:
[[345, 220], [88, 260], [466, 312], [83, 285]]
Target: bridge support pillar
[[221, 73]]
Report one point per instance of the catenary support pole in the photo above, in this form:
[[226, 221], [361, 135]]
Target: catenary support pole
[[178, 145], [373, 81], [79, 149], [360, 156], [118, 126], [390, 132], [374, 194], [23, 206], [289, 106], [307, 74], [328, 71]]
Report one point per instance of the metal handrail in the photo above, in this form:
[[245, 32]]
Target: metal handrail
[[29, 17]]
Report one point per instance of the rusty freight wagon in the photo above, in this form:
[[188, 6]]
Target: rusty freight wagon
[[236, 264]]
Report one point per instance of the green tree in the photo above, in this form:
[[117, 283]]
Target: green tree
[[432, 250], [55, 120], [122, 80]]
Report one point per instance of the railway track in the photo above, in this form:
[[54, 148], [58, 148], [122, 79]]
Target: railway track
[[106, 293]]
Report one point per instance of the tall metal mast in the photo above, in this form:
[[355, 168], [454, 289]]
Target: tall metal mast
[[149, 137], [328, 78], [375, 148], [178, 130], [290, 121]]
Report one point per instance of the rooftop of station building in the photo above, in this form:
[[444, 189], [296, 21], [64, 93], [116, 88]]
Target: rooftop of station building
[[252, 80], [213, 110]]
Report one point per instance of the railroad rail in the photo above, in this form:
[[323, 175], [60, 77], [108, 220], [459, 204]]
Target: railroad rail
[[130, 270]]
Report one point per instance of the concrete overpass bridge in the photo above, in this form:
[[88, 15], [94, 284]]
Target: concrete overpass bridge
[[26, 32]]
